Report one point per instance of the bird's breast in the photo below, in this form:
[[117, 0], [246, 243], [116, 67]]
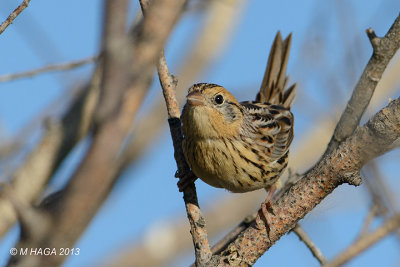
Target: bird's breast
[[229, 163]]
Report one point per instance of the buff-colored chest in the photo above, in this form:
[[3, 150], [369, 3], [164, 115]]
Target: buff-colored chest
[[228, 163]]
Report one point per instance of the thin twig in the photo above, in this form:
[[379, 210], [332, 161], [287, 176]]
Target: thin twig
[[48, 68], [303, 236], [13, 15], [368, 220], [196, 219], [366, 241]]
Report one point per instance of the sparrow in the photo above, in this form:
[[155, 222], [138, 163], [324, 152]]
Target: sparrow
[[241, 146]]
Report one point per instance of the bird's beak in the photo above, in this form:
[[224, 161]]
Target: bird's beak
[[195, 99]]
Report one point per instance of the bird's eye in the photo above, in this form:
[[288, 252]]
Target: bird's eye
[[219, 99]]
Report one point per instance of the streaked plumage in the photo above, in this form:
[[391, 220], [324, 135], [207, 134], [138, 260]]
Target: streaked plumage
[[241, 146]]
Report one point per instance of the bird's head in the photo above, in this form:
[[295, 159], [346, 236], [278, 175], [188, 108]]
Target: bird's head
[[211, 111]]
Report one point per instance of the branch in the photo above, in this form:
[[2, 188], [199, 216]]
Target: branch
[[372, 213], [366, 241], [223, 243], [309, 243], [13, 15], [32, 222], [117, 61], [196, 218], [55, 67], [383, 51]]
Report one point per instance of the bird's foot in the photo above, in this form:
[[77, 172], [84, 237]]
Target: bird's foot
[[185, 179], [263, 218]]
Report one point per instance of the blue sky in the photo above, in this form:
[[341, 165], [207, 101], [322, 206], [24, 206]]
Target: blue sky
[[58, 31]]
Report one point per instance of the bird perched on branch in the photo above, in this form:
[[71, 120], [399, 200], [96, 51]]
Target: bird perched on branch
[[241, 146]]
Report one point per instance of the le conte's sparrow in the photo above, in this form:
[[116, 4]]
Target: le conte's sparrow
[[241, 146]]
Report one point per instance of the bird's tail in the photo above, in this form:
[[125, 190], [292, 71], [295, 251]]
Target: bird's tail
[[275, 80]]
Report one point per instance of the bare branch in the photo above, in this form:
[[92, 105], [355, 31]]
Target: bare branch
[[48, 68], [196, 218], [383, 51], [309, 243], [368, 220], [366, 241], [32, 221], [117, 60], [168, 83], [13, 15]]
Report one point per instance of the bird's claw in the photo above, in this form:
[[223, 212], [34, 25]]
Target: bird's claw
[[185, 179], [263, 219]]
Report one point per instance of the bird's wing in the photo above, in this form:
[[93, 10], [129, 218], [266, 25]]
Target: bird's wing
[[270, 127]]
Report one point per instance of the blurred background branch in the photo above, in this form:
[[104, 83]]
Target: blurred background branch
[[56, 67], [310, 244], [366, 241]]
